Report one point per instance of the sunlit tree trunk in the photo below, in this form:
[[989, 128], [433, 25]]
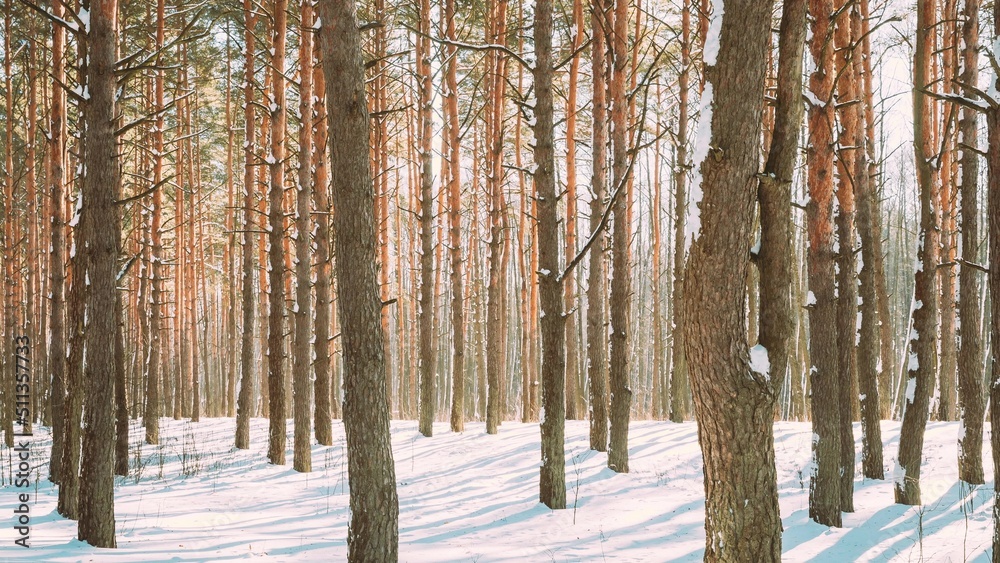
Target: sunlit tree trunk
[[58, 258], [922, 340], [245, 406], [100, 252], [275, 251], [597, 351], [869, 338], [824, 485], [373, 532], [680, 391], [733, 402], [846, 271], [302, 354], [970, 353]]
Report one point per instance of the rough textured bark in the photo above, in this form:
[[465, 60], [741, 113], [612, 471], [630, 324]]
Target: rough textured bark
[[574, 396], [495, 333], [993, 212], [373, 533], [824, 484], [970, 353], [775, 195], [680, 392], [10, 257], [846, 271], [947, 366], [597, 351], [275, 250], [621, 235], [869, 338], [425, 134], [922, 363], [455, 228], [887, 354], [733, 405], [57, 158], [100, 184], [302, 354], [244, 407], [552, 478], [321, 189]]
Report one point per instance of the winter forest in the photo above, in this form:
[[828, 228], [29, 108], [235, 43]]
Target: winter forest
[[500, 280]]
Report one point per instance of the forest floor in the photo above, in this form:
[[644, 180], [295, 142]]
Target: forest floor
[[473, 497]]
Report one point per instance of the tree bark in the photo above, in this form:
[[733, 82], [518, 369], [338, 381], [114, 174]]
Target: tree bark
[[57, 159], [869, 337], [574, 396], [824, 485], [775, 195], [552, 478], [275, 251], [100, 184], [495, 333], [922, 341], [597, 350], [425, 134], [846, 271], [373, 533], [970, 352], [621, 279], [302, 355], [733, 404], [244, 406], [455, 227], [321, 190]]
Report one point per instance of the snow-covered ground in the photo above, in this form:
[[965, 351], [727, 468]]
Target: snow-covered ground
[[473, 497]]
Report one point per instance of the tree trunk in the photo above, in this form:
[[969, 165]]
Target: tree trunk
[[244, 407], [425, 134], [302, 355], [922, 344], [57, 159], [680, 392], [373, 533], [455, 228], [552, 478], [993, 212], [321, 189], [868, 339], [574, 398], [775, 196], [275, 251], [733, 404], [846, 271], [824, 486], [970, 352], [495, 333], [597, 350], [100, 252], [948, 368], [621, 235]]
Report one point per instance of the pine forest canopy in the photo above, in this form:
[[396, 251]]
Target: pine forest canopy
[[722, 213]]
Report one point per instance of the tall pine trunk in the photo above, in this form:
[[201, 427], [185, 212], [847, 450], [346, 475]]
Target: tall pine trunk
[[970, 352], [373, 532], [922, 362], [100, 184], [275, 235], [733, 403], [597, 350], [621, 279], [244, 407], [824, 484]]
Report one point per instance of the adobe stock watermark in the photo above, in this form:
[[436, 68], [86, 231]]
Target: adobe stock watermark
[[22, 440]]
